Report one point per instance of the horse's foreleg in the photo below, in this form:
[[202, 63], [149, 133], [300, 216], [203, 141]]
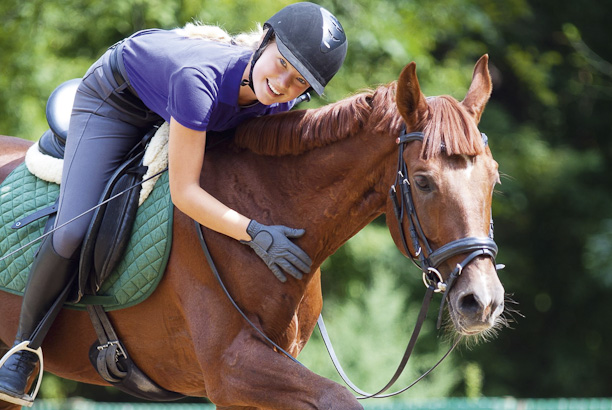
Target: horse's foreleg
[[251, 374]]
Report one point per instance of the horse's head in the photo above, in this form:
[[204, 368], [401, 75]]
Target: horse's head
[[450, 176]]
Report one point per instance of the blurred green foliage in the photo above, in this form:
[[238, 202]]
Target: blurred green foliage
[[548, 124], [371, 324]]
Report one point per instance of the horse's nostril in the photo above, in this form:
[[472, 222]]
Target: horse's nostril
[[469, 304]]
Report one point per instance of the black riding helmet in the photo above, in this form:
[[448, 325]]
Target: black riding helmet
[[310, 38]]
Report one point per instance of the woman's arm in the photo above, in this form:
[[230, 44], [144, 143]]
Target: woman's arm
[[186, 149], [271, 243]]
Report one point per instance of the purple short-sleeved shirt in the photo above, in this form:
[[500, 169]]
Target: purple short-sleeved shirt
[[195, 81]]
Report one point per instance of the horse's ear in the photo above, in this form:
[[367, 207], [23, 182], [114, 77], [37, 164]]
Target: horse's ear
[[480, 90], [409, 99]]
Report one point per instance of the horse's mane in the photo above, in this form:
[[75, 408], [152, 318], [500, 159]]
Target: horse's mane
[[298, 131], [295, 132]]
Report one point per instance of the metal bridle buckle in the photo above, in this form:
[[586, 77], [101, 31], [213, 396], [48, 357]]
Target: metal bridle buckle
[[457, 271], [440, 285], [119, 348]]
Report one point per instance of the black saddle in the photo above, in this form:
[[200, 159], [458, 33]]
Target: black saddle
[[111, 226]]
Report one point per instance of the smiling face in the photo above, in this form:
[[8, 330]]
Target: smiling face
[[275, 80]]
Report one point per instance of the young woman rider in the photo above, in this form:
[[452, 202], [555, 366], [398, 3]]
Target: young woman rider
[[197, 85]]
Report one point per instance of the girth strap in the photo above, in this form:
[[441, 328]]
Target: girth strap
[[113, 363], [110, 349]]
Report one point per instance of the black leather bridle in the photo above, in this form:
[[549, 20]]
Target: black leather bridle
[[427, 259]]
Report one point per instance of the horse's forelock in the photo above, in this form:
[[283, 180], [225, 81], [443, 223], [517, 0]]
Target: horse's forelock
[[450, 126]]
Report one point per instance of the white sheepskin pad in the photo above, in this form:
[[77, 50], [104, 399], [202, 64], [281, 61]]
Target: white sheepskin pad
[[155, 158], [44, 166]]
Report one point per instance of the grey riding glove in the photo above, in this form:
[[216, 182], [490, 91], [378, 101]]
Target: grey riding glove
[[272, 244]]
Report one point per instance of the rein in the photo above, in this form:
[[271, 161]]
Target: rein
[[428, 263], [323, 330]]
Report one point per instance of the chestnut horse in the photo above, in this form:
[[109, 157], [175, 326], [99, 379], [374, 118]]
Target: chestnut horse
[[327, 170]]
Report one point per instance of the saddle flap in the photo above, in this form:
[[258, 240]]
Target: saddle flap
[[116, 227], [109, 231]]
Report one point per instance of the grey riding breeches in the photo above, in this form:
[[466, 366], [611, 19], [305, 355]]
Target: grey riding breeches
[[104, 126]]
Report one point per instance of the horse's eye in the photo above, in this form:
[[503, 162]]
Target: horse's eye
[[422, 183]]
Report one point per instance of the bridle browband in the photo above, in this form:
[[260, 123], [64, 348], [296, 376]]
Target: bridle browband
[[428, 259]]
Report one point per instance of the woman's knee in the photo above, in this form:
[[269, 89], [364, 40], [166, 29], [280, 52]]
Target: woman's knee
[[67, 241]]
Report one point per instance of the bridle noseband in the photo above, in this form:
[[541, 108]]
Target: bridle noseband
[[429, 260]]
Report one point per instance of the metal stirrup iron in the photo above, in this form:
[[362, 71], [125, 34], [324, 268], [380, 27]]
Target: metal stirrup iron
[[28, 401]]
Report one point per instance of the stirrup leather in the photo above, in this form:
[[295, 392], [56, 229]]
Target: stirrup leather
[[28, 399]]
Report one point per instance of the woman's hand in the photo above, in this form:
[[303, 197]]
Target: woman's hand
[[272, 244]]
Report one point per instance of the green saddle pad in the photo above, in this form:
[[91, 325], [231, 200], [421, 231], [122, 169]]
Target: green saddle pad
[[132, 281]]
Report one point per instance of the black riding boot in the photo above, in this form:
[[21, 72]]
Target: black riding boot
[[49, 276]]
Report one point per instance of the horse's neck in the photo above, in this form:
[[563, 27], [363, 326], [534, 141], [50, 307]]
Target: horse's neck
[[342, 188]]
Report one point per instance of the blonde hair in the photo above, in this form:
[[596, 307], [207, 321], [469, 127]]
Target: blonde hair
[[215, 33]]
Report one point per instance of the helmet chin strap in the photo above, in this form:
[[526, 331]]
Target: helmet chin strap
[[256, 56]]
